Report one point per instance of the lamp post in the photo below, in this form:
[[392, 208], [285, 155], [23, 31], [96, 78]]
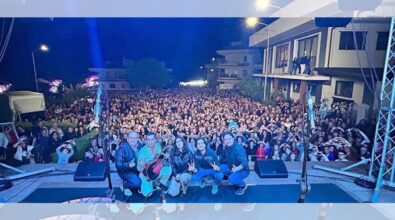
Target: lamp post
[[43, 48], [252, 22], [264, 4]]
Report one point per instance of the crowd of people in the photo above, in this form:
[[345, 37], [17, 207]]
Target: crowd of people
[[265, 131]]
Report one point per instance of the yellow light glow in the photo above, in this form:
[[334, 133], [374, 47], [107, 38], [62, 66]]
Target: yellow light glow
[[251, 21]]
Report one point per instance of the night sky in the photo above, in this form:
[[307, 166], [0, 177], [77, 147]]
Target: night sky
[[79, 43]]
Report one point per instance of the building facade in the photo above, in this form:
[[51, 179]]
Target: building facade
[[343, 63], [226, 71], [112, 78]]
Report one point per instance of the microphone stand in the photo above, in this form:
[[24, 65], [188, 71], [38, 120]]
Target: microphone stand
[[304, 186]]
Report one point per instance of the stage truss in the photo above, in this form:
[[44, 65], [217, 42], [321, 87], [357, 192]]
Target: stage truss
[[382, 165], [381, 169]]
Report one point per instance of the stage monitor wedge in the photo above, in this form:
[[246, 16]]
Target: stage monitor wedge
[[271, 169], [90, 171]]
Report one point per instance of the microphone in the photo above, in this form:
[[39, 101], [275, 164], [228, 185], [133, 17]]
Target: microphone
[[310, 110], [98, 104]]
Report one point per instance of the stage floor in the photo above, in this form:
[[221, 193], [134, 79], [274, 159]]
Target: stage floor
[[62, 178]]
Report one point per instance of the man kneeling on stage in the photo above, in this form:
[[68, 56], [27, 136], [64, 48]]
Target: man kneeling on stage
[[126, 163], [150, 161], [234, 163], [205, 165]]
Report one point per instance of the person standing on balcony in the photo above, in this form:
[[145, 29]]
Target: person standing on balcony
[[295, 66]]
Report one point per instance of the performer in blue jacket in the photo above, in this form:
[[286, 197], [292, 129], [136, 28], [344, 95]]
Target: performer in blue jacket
[[234, 163]]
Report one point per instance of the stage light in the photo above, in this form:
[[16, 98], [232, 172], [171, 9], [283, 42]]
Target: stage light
[[194, 83], [44, 48], [251, 21], [91, 82], [213, 59], [4, 88]]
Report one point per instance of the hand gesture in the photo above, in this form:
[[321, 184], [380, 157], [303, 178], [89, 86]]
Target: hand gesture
[[132, 164], [191, 166], [215, 167], [234, 168]]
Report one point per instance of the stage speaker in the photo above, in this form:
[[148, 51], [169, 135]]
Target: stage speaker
[[90, 171], [271, 169]]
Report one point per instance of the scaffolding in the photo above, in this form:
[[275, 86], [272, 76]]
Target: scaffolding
[[381, 170], [381, 167]]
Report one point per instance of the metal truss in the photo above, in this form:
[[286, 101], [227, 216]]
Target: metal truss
[[381, 166]]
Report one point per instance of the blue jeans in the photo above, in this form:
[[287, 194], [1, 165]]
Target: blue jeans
[[202, 173], [132, 181], [234, 178]]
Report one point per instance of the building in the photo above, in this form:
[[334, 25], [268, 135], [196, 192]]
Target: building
[[236, 61], [343, 66], [113, 77]]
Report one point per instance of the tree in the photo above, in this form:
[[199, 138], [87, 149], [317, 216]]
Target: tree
[[250, 87], [149, 73]]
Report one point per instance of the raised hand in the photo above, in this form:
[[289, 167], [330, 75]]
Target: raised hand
[[132, 164], [215, 167], [234, 168], [191, 166]]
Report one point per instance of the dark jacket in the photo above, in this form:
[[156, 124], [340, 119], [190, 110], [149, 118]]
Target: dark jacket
[[204, 161], [179, 160], [123, 156], [235, 155]]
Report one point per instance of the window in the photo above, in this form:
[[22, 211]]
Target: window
[[312, 89], [308, 47], [344, 88], [112, 86], [281, 56], [347, 40], [296, 87], [382, 40], [245, 59]]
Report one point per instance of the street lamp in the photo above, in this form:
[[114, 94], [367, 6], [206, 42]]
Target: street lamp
[[252, 22], [43, 48], [264, 4]]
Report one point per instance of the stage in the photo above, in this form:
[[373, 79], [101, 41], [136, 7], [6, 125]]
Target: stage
[[58, 186]]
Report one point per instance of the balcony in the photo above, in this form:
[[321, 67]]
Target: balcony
[[223, 76], [295, 77]]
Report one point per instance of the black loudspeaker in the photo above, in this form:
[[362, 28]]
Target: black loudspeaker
[[271, 169], [90, 171]]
